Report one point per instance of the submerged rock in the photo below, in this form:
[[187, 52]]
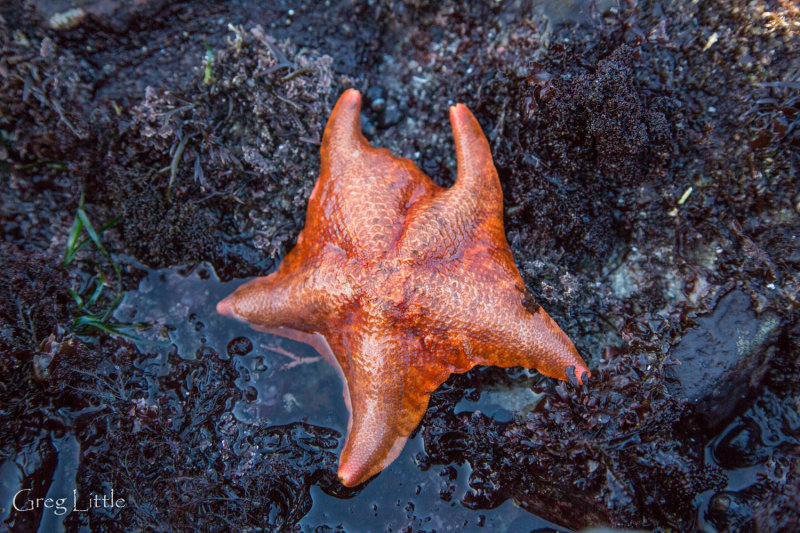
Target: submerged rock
[[723, 358], [740, 446]]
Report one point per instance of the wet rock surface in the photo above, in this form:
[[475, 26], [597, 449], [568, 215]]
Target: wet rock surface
[[760, 449], [647, 154], [723, 358]]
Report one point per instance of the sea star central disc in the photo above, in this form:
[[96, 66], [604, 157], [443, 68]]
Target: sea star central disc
[[400, 282]]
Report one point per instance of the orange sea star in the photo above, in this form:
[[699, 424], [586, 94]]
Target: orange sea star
[[400, 282]]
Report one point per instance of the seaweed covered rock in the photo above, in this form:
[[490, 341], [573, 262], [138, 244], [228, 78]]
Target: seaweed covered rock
[[44, 94], [599, 126], [225, 473], [648, 157], [241, 142], [612, 453], [765, 437], [724, 358], [592, 143], [34, 298], [114, 15]]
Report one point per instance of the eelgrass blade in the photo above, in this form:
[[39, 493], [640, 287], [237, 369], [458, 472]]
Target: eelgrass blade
[[74, 233], [96, 239], [101, 281]]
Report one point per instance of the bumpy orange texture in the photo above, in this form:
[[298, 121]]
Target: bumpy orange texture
[[400, 282]]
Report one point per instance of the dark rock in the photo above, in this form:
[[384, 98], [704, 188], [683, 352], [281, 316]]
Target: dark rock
[[779, 509], [376, 96], [391, 114], [769, 505], [723, 358], [731, 511], [367, 126], [240, 346], [740, 446]]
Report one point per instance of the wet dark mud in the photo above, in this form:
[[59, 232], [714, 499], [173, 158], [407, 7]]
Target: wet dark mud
[[648, 154]]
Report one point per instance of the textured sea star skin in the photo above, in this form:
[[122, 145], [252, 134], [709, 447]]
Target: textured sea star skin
[[400, 282]]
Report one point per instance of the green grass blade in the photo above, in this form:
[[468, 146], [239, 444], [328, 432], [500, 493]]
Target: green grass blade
[[87, 240], [109, 224], [96, 240], [113, 306], [77, 298], [98, 290], [74, 233], [85, 323]]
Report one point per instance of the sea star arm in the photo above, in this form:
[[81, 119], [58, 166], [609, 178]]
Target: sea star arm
[[471, 208], [496, 322], [477, 189], [303, 294], [531, 339], [360, 199], [388, 382]]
